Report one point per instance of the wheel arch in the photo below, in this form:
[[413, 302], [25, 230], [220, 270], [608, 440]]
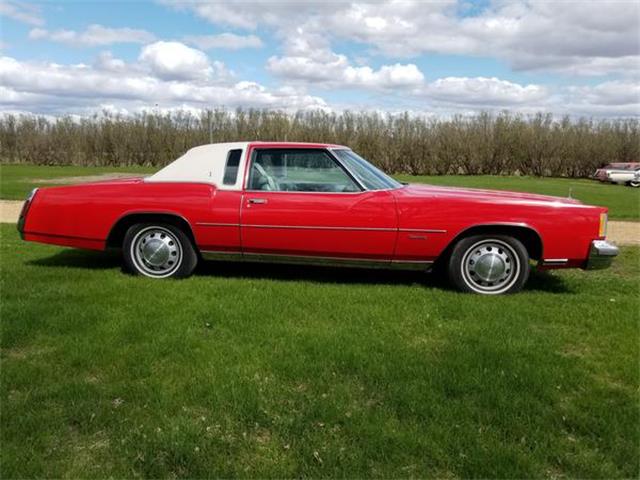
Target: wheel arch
[[529, 236], [120, 227]]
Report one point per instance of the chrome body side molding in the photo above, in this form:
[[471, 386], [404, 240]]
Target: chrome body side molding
[[554, 261], [423, 265], [321, 227], [210, 224], [422, 230]]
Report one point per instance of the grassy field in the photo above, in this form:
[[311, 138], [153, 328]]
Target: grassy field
[[264, 371], [624, 203], [16, 181]]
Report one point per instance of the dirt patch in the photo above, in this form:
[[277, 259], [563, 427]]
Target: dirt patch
[[10, 210], [620, 233], [624, 233], [83, 179]]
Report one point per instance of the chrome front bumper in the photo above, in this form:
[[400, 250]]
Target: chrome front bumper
[[601, 255]]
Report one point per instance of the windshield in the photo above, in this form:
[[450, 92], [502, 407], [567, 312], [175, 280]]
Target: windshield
[[371, 177]]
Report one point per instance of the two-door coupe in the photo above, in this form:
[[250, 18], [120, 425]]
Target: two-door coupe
[[318, 204]]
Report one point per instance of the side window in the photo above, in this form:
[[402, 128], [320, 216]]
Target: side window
[[298, 170], [231, 167]]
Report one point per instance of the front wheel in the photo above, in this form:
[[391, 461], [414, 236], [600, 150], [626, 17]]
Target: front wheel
[[489, 264], [634, 183], [158, 251]]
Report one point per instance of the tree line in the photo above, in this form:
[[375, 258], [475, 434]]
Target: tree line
[[497, 144]]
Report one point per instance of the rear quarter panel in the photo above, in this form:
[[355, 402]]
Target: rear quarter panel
[[83, 215]]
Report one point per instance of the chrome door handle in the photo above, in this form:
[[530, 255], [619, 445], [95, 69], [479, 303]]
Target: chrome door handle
[[257, 200]]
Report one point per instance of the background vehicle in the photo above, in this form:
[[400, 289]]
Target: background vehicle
[[316, 204], [621, 173], [629, 177]]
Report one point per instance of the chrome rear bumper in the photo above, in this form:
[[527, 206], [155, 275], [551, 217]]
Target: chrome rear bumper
[[601, 255]]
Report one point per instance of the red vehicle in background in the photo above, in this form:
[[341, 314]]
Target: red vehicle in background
[[316, 204]]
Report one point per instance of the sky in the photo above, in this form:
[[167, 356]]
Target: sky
[[441, 58]]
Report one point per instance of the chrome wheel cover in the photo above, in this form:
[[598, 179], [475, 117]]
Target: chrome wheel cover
[[156, 252], [490, 266]]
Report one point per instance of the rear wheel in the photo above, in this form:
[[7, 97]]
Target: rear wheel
[[489, 264], [158, 251]]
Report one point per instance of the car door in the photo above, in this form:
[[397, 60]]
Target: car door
[[300, 202]]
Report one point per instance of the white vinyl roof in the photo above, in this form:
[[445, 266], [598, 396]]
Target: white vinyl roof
[[203, 164]]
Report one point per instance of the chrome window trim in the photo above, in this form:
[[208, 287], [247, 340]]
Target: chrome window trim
[[332, 149], [351, 176], [334, 157], [346, 169], [226, 167], [262, 192]]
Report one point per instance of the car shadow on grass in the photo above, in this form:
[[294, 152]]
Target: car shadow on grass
[[81, 259], [545, 281], [314, 273], [540, 281]]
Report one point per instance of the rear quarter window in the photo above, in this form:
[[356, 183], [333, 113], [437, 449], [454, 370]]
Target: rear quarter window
[[231, 167]]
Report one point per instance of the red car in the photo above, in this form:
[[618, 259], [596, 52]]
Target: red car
[[318, 204]]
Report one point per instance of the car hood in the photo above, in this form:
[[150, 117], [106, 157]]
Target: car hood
[[485, 196]]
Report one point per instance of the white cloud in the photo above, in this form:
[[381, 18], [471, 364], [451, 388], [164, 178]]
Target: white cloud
[[248, 15], [94, 35], [612, 98], [626, 66], [13, 97], [481, 91], [614, 93], [577, 38], [54, 88], [123, 87], [309, 59], [176, 61], [308, 69], [106, 61], [217, 13], [228, 41], [22, 12], [570, 37], [338, 73], [388, 76]]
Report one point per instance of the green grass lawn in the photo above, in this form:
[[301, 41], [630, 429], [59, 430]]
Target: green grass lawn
[[267, 371], [624, 202], [16, 181]]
